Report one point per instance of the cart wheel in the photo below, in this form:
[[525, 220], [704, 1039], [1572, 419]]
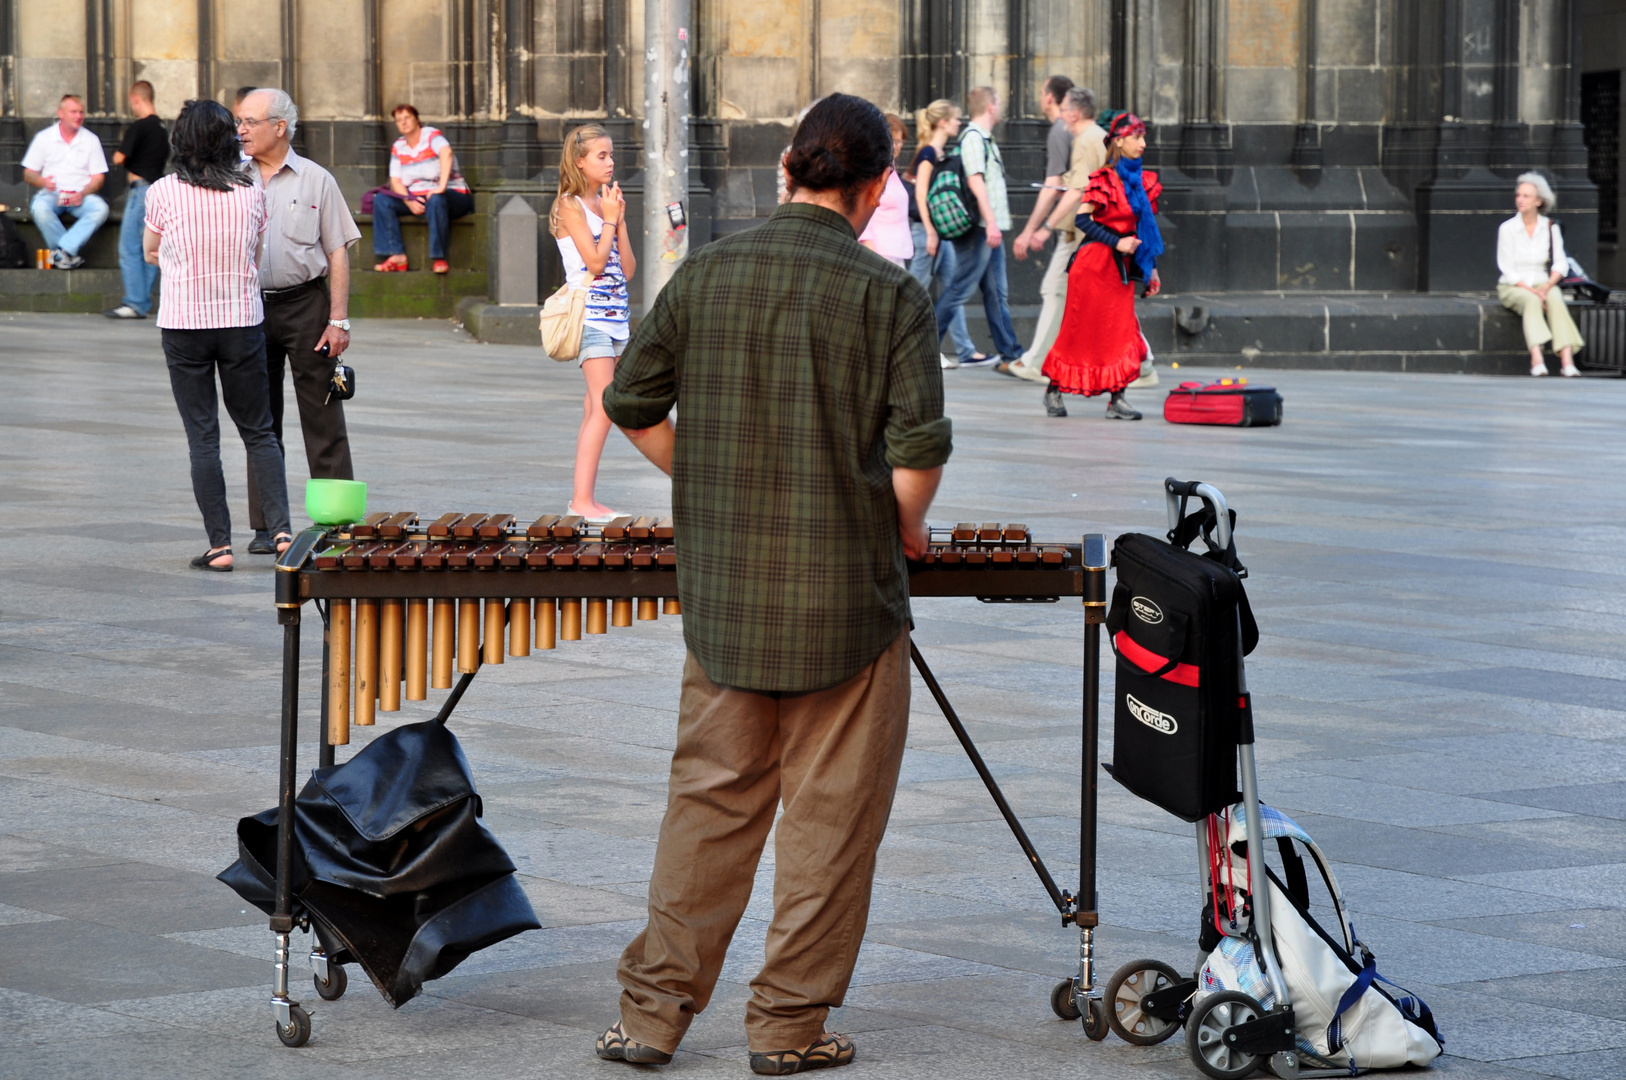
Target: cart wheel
[[298, 1031], [337, 982], [1128, 985], [1095, 1020], [1205, 1035], [1061, 1000]]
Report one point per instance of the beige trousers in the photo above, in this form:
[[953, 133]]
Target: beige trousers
[[832, 758], [1556, 327], [1052, 302]]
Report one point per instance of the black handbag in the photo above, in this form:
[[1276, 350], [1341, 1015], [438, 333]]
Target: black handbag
[[1179, 624]]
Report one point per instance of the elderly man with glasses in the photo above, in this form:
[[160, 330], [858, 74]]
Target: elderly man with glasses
[[305, 282]]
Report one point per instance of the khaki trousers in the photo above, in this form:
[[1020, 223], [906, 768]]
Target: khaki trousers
[[1052, 302], [832, 758], [1557, 327]]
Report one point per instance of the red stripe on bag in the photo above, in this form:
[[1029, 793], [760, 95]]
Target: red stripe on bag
[[1147, 660]]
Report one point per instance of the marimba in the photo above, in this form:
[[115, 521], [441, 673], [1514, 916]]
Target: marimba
[[408, 601]]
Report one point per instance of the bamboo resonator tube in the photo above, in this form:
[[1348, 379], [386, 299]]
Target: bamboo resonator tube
[[338, 673], [391, 640], [366, 662], [417, 650], [374, 646]]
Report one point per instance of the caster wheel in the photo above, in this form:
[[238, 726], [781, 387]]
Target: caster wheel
[[337, 982], [1128, 985], [1205, 1035], [298, 1031], [1095, 1020], [1061, 1000]]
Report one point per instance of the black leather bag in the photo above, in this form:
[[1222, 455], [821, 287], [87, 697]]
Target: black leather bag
[[13, 252], [1179, 624], [391, 862]]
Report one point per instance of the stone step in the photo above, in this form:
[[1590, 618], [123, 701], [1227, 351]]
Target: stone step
[[1430, 332]]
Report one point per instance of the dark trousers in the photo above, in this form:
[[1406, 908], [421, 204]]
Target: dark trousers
[[292, 329], [237, 355]]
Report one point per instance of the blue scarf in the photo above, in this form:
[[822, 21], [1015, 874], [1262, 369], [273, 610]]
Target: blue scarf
[[1151, 240]]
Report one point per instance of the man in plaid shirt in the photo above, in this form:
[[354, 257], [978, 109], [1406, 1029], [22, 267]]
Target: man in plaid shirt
[[806, 374]]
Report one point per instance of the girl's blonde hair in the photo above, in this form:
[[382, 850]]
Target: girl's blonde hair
[[927, 119], [571, 179]]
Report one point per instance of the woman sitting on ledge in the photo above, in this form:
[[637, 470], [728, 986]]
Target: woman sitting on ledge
[[425, 181], [1530, 254]]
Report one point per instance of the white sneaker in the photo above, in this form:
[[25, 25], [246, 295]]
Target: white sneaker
[[1031, 374], [949, 362], [61, 260], [1147, 377]]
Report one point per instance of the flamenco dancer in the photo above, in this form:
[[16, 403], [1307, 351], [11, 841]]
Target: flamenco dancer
[[1099, 348]]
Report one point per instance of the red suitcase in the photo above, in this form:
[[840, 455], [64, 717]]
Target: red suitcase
[[1229, 402]]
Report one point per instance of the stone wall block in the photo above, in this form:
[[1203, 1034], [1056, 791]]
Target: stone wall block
[[1347, 33], [858, 28], [765, 30], [1386, 252], [763, 86], [1262, 95], [1251, 244], [875, 79], [1357, 96], [1264, 33], [174, 82]]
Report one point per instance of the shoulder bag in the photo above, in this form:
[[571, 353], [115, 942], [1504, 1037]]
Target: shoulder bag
[[561, 322]]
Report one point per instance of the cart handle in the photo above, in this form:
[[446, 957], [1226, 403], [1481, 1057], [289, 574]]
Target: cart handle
[[1177, 491]]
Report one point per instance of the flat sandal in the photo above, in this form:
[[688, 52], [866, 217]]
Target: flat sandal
[[828, 1051], [206, 560], [614, 1045]]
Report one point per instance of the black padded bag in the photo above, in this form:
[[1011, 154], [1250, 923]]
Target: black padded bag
[[1179, 624], [13, 252]]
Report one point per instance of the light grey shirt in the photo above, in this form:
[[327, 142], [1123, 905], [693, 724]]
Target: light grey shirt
[[1058, 149], [306, 217], [981, 155]]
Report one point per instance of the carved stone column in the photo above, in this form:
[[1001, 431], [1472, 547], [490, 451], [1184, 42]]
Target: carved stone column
[[520, 154], [12, 142], [1205, 139], [1307, 157]]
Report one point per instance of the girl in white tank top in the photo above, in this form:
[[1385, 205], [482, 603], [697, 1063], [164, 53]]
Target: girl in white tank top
[[589, 224]]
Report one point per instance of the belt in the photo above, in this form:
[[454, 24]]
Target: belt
[[293, 292]]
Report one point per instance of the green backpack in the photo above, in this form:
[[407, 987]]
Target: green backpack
[[948, 200]]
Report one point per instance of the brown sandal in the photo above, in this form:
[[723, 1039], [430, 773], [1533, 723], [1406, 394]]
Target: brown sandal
[[828, 1051], [614, 1045]]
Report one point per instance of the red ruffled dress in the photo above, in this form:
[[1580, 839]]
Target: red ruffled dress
[[1099, 347]]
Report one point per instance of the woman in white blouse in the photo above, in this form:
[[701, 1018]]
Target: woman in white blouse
[[1530, 254]]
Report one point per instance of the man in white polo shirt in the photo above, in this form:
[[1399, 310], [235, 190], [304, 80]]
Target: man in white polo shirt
[[66, 163]]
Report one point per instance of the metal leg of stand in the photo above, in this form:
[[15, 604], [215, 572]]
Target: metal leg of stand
[[282, 922], [1086, 903], [324, 748], [988, 780]]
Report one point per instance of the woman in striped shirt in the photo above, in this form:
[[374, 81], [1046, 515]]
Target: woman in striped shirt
[[203, 227]]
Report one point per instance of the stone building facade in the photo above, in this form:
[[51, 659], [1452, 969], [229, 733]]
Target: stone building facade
[[1305, 145]]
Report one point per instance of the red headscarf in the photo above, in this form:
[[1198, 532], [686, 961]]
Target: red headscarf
[[1125, 124]]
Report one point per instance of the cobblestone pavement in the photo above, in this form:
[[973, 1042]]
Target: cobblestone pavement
[[1439, 701]]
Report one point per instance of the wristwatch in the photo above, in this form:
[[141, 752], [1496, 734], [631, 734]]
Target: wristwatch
[[342, 324]]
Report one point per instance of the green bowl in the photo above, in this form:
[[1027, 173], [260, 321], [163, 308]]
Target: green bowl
[[335, 502]]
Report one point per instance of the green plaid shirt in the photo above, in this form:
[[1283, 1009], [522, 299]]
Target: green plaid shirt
[[804, 369]]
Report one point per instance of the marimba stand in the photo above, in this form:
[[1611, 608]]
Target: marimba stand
[[985, 563]]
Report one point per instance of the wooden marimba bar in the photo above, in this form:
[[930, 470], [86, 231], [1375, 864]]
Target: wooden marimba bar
[[412, 602]]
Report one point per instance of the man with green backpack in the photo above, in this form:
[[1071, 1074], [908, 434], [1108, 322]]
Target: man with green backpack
[[979, 250]]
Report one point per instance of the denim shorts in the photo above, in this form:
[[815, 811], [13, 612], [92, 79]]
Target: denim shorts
[[596, 343]]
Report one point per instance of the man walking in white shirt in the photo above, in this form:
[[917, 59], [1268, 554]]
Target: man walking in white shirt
[[66, 163]]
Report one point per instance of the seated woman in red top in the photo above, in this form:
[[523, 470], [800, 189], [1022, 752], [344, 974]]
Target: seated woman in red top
[[1099, 348]]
